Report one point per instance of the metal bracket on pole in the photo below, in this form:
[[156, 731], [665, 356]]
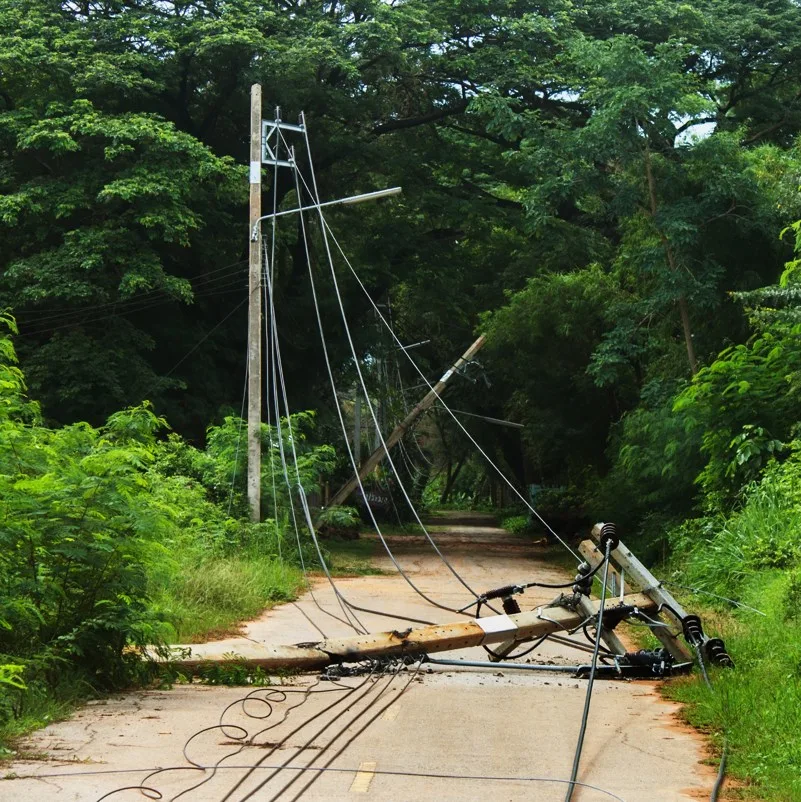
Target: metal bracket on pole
[[270, 128], [622, 559]]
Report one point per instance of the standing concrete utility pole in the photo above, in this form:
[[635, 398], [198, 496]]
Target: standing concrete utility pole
[[375, 458], [254, 309], [265, 139]]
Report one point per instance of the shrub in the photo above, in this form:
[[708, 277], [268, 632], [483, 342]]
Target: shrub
[[517, 524], [341, 522], [719, 553]]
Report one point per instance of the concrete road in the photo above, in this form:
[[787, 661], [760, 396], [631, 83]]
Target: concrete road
[[429, 734]]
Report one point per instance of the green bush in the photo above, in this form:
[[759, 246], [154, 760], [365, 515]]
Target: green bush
[[80, 526], [114, 537], [719, 553], [341, 522], [517, 524]]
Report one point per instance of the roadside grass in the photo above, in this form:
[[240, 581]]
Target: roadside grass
[[210, 598], [37, 706], [758, 703], [353, 557], [201, 599]]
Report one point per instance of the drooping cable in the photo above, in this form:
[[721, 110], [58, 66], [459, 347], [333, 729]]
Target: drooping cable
[[703, 592], [352, 347], [380, 712], [330, 769], [204, 338], [269, 264], [132, 307], [720, 779], [63, 311], [270, 372], [344, 603], [279, 384], [591, 680], [276, 369], [332, 383], [430, 386], [353, 700], [318, 753]]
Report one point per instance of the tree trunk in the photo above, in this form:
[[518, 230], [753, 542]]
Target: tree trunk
[[451, 480]]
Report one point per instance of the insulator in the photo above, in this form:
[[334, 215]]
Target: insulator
[[715, 650], [693, 629], [499, 593], [609, 536], [510, 605]]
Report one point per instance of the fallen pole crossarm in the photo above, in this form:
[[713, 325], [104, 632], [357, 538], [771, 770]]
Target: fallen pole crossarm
[[413, 641], [638, 574]]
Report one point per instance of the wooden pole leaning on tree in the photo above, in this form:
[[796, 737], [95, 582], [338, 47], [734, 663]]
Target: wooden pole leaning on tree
[[254, 309], [422, 640], [378, 455]]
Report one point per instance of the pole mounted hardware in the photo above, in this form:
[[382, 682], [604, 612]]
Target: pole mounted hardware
[[267, 143]]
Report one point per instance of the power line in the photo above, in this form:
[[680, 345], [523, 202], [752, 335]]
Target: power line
[[428, 384], [204, 338], [129, 310], [279, 371], [334, 770], [43, 315], [332, 382], [320, 752], [352, 697], [591, 681], [324, 230]]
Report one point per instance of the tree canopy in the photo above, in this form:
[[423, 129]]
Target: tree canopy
[[587, 180]]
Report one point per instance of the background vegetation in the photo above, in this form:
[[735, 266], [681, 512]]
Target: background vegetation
[[113, 539], [608, 189]]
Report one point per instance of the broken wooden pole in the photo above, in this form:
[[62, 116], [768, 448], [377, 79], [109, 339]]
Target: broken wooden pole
[[395, 435], [422, 640]]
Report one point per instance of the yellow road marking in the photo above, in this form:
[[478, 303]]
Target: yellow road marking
[[364, 776]]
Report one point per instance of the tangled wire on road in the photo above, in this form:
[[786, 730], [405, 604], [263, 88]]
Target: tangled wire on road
[[259, 705]]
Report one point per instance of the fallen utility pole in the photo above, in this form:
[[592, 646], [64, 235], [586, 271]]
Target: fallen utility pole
[[422, 640], [397, 433]]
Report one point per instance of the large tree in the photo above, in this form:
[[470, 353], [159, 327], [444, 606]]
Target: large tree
[[533, 140]]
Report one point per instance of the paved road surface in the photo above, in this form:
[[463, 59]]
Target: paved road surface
[[456, 723]]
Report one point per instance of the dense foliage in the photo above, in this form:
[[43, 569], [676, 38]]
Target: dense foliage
[[597, 177], [113, 538]]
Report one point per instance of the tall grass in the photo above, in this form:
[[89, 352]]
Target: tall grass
[[758, 703], [210, 597], [721, 553], [753, 554]]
